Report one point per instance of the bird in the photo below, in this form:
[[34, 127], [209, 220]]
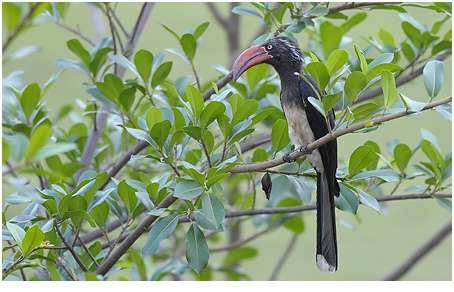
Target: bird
[[305, 125]]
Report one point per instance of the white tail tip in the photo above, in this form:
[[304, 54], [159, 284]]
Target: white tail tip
[[323, 265]]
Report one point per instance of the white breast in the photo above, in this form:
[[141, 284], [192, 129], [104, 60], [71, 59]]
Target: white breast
[[300, 133]]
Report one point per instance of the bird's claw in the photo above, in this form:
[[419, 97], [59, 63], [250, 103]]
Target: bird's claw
[[287, 158], [303, 149]]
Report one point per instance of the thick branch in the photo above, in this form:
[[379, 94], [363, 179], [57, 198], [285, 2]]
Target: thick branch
[[418, 254], [101, 118], [131, 238], [250, 167], [216, 14]]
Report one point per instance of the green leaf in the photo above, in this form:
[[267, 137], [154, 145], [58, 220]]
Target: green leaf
[[189, 45], [347, 200], [175, 35], [377, 70], [244, 10], [353, 21], [111, 87], [386, 37], [354, 84], [128, 195], [162, 229], [200, 29], [412, 33], [98, 60], [361, 58], [100, 213], [279, 135], [368, 200], [153, 116], [30, 98], [336, 60], [402, 155], [17, 232], [320, 74], [210, 113], [127, 97], [295, 224], [432, 153], [11, 15], [195, 98], [238, 254], [381, 59], [160, 132], [53, 149], [143, 60], [33, 238], [140, 135], [38, 138], [256, 74], [388, 84], [73, 207], [329, 101], [161, 74], [364, 110], [412, 105], [359, 159], [433, 77], [187, 189], [213, 209], [76, 47], [331, 36], [387, 175], [408, 51], [197, 252]]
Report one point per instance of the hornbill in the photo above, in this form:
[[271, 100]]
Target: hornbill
[[306, 124]]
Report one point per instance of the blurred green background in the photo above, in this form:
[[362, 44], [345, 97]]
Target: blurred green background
[[374, 244]]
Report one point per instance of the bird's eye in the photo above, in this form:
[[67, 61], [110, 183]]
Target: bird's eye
[[269, 47]]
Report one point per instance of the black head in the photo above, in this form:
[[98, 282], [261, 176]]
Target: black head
[[280, 52]]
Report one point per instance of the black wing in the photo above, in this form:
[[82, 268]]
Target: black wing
[[319, 127]]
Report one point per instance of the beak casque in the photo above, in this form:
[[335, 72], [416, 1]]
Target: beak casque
[[248, 58]]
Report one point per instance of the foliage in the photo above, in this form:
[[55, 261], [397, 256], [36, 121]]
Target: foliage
[[190, 144]]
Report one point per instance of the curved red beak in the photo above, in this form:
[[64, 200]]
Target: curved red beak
[[248, 58]]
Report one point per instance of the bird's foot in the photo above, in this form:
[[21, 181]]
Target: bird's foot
[[303, 149], [287, 158]]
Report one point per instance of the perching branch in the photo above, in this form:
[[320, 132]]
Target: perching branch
[[250, 167], [419, 253]]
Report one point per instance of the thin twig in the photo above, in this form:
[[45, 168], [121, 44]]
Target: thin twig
[[76, 32], [70, 249], [241, 241], [285, 256], [20, 27], [88, 251], [419, 253]]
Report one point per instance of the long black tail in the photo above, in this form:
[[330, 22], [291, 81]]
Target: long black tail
[[326, 256]]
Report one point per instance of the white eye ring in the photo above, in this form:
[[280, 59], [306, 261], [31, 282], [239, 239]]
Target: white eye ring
[[269, 47]]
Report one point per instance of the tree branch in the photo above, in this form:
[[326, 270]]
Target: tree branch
[[20, 27], [241, 241], [70, 249], [285, 256], [304, 208], [216, 14], [249, 167], [419, 253], [76, 32], [101, 118], [123, 247]]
